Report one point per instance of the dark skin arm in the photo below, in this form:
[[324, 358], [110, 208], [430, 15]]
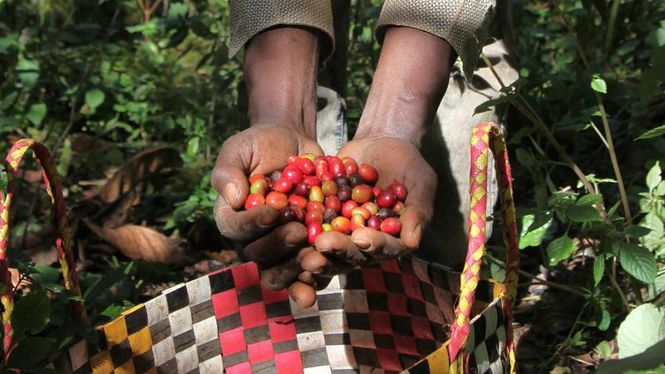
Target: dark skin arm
[[277, 62], [408, 85]]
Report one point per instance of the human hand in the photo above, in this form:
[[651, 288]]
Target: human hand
[[396, 160], [260, 149]]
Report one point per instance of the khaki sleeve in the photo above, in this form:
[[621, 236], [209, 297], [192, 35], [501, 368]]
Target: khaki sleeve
[[462, 23], [250, 17]]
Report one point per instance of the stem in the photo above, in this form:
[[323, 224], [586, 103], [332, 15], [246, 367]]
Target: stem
[[523, 106], [614, 12], [613, 159], [613, 279], [541, 281]]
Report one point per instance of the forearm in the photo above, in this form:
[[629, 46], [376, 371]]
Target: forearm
[[280, 71], [409, 82]]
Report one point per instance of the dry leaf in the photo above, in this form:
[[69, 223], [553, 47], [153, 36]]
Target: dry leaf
[[84, 143], [139, 242], [138, 169]]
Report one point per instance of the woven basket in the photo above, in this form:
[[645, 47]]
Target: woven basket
[[392, 317]]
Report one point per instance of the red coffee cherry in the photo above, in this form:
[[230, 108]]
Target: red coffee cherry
[[350, 165], [386, 199], [313, 230], [257, 176], [341, 224], [277, 200], [368, 173], [329, 188], [361, 193], [254, 199], [315, 205], [391, 226], [374, 223], [333, 202], [313, 216], [347, 207], [399, 190], [293, 174], [298, 201], [357, 221], [283, 185]]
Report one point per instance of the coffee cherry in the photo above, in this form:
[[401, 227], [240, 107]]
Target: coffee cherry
[[302, 189], [336, 166], [321, 166], [259, 186], [313, 230], [357, 221], [313, 216], [275, 176], [347, 207], [292, 160], [326, 227], [298, 201], [293, 174], [386, 199], [329, 188], [398, 209], [391, 226], [309, 156], [341, 224], [254, 199], [312, 180], [376, 191], [314, 205], [285, 216], [277, 200], [399, 190], [350, 165], [342, 180], [362, 193], [327, 177], [371, 207], [355, 179], [333, 202], [283, 185], [329, 215], [385, 213], [299, 213], [368, 173], [256, 177], [374, 223], [344, 193], [362, 211], [316, 194], [306, 166]]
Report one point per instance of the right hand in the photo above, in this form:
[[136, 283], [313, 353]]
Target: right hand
[[260, 149]]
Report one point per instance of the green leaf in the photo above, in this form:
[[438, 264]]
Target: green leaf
[[560, 249], [604, 350], [30, 352], [94, 98], [642, 328], [583, 213], [598, 269], [535, 227], [636, 231], [598, 84], [605, 319], [656, 236], [653, 176], [637, 261], [193, 146], [36, 113], [653, 133], [589, 199], [31, 313]]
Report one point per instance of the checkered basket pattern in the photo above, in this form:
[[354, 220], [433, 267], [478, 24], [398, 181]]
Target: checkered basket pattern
[[394, 316]]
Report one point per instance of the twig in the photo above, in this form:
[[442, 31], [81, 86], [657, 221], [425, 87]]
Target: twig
[[613, 279], [65, 132], [541, 281]]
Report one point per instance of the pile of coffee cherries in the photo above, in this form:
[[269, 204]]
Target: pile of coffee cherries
[[327, 193]]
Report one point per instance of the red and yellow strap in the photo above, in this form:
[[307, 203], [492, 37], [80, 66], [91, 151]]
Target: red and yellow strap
[[486, 135], [62, 240]]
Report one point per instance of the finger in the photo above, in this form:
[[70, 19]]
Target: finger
[[243, 225], [413, 221], [378, 244], [275, 245], [304, 295], [307, 278], [320, 265], [283, 274], [229, 174], [341, 246]]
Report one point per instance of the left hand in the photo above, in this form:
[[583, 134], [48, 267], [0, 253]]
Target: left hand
[[396, 160]]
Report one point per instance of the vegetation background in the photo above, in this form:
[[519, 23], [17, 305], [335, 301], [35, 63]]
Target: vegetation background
[[135, 98]]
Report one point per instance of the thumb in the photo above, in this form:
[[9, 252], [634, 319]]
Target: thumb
[[229, 179]]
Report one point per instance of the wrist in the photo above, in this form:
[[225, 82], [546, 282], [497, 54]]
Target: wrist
[[280, 71]]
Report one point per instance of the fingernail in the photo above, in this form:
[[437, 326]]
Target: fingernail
[[231, 193], [363, 244], [266, 220], [292, 239]]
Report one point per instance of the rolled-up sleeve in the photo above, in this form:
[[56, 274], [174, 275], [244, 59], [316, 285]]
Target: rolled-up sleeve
[[462, 23], [250, 17]]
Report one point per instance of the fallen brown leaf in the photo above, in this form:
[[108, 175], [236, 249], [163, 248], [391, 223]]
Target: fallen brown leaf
[[84, 143], [136, 170]]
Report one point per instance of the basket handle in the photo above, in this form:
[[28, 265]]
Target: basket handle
[[484, 136], [59, 219]]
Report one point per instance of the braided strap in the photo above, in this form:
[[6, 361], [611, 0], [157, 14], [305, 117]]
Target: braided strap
[[62, 238], [486, 135]]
